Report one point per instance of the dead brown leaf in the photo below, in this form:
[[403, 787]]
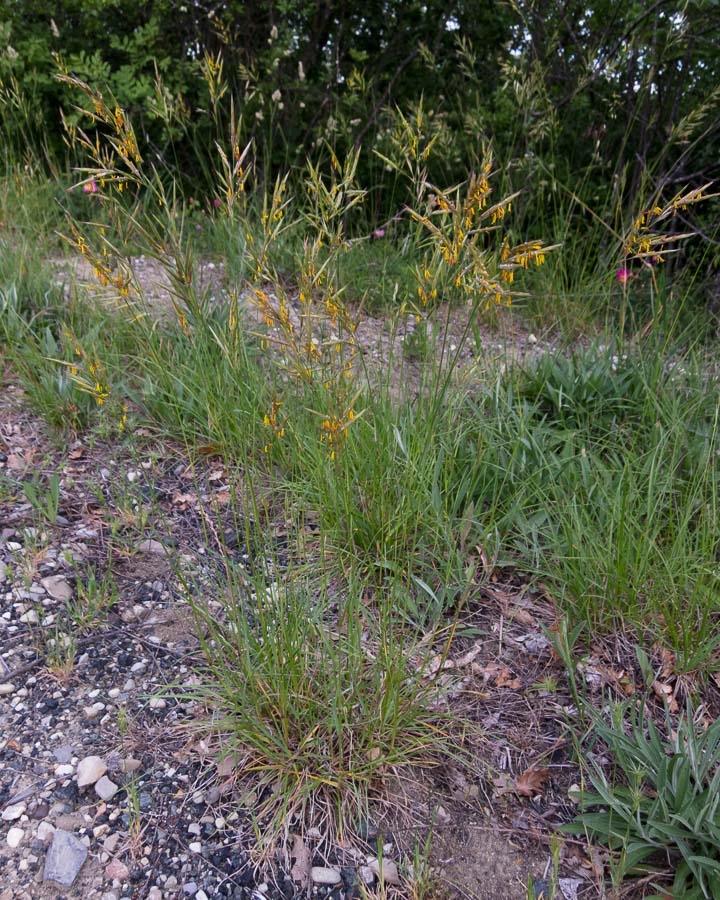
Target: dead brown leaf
[[665, 692], [17, 463], [437, 662], [518, 614], [182, 500], [499, 675], [301, 871], [531, 782], [596, 674], [667, 660]]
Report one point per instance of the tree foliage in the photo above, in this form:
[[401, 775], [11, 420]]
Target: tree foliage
[[617, 92]]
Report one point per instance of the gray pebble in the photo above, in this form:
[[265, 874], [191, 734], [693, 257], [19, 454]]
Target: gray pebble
[[64, 859]]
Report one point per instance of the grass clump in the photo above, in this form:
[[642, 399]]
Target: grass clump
[[628, 530], [318, 697]]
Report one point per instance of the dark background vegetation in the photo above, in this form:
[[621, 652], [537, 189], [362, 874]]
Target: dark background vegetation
[[594, 110]]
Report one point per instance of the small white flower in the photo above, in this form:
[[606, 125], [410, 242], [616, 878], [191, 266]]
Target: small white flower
[[274, 33], [277, 95], [301, 71]]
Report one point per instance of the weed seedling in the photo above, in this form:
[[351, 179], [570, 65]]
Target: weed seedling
[[44, 499]]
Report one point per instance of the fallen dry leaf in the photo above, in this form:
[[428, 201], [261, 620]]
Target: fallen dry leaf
[[499, 675], [182, 501], [596, 674], [437, 662], [667, 660], [665, 692], [518, 614], [301, 871], [531, 782], [17, 463]]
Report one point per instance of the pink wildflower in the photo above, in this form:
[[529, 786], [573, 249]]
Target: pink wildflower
[[379, 233], [623, 275], [216, 203], [90, 187]]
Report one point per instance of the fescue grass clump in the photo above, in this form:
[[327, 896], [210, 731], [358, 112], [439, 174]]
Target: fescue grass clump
[[318, 697]]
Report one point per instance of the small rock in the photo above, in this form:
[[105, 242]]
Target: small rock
[[385, 871], [64, 859], [57, 587], [45, 832], [150, 546], [105, 788], [117, 869], [190, 888], [90, 770], [201, 895], [64, 770], [367, 876], [532, 339], [92, 712], [63, 754], [11, 813], [14, 837], [323, 875], [6, 688], [157, 703], [195, 847], [129, 765], [111, 841]]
